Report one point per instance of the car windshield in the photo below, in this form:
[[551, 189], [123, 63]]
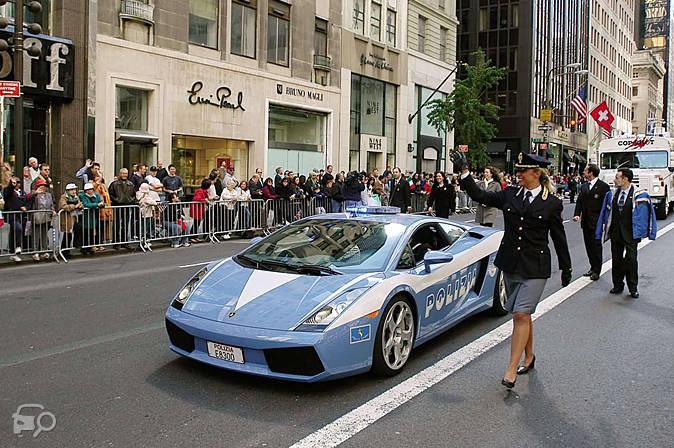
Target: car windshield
[[339, 245], [633, 159]]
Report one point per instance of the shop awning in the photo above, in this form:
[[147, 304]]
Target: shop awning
[[566, 156], [123, 135], [580, 159], [496, 147]]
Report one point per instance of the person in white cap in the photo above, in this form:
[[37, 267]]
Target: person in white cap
[[92, 202], [71, 208]]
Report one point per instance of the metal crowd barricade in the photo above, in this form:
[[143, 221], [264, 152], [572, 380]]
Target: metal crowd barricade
[[90, 228], [419, 203], [175, 222], [281, 212], [231, 217], [28, 233]]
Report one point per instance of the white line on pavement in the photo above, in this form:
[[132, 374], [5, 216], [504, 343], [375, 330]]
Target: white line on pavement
[[366, 414], [196, 264]]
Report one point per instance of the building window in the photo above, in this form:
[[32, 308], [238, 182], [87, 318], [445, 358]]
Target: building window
[[443, 44], [421, 34], [359, 16], [391, 27], [131, 111], [244, 20], [635, 91], [203, 23], [321, 38], [278, 30], [375, 21]]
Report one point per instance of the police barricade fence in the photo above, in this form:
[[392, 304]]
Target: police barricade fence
[[280, 212], [419, 203], [91, 228], [31, 232], [228, 217], [174, 222]]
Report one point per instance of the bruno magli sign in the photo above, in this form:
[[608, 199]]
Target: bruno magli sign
[[222, 98]]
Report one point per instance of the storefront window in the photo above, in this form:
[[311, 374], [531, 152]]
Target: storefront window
[[34, 131], [244, 19], [131, 109], [204, 23], [195, 157], [297, 139], [278, 31], [373, 111]]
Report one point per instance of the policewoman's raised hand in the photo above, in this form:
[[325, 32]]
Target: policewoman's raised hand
[[459, 160], [566, 277]]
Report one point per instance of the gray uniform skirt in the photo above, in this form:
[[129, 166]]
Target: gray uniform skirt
[[523, 293]]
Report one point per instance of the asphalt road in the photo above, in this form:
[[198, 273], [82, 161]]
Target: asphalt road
[[86, 340]]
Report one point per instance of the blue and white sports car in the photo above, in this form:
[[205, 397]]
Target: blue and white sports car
[[335, 295]]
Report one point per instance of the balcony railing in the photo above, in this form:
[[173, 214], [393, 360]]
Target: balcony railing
[[137, 10], [322, 62]]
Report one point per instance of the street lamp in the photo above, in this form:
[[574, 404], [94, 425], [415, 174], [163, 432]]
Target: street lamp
[[16, 43], [549, 76]]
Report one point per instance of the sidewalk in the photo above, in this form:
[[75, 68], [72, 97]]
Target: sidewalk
[[603, 378]]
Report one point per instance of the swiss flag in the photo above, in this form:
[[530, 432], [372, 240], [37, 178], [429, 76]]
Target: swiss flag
[[603, 116]]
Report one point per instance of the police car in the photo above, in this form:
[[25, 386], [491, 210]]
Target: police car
[[338, 294]]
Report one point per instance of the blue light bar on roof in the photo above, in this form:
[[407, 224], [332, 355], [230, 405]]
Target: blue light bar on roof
[[373, 210]]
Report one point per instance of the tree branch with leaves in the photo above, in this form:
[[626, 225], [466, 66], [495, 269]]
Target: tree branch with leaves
[[466, 111]]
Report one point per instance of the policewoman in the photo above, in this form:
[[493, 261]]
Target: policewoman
[[531, 212]]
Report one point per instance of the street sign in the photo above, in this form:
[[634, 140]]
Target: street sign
[[546, 115], [538, 140], [463, 148], [545, 127], [10, 89]]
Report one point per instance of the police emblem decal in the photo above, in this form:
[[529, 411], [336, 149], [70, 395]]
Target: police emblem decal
[[519, 158], [359, 334]]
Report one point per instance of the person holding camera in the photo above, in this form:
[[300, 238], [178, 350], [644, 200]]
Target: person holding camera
[[353, 186], [531, 212]]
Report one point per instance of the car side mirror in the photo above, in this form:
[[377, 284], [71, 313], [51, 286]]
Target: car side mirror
[[436, 257], [671, 169], [255, 240]]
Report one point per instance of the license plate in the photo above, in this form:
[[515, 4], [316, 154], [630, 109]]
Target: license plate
[[225, 352]]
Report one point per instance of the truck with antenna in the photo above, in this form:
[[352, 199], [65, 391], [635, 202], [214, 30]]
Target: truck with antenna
[[650, 156]]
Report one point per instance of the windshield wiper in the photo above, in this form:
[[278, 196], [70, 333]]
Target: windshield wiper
[[248, 260], [313, 269]]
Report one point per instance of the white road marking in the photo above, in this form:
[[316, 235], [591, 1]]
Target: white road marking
[[196, 264], [366, 414]]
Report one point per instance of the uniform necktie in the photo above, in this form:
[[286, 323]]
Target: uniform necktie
[[621, 201], [527, 197]]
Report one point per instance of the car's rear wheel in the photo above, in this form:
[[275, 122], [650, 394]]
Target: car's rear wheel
[[498, 307], [395, 338]]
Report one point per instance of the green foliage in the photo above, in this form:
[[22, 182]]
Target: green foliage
[[466, 111]]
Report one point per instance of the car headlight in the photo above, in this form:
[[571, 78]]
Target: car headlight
[[320, 320], [186, 291]]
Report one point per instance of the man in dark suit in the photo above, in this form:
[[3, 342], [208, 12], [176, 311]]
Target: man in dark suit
[[587, 211], [623, 243], [400, 195], [279, 177]]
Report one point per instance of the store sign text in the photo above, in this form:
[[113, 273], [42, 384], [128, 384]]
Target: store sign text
[[376, 62], [372, 143], [298, 92], [637, 142], [50, 74], [219, 99]]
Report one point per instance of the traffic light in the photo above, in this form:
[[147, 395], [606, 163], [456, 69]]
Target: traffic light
[[573, 125]]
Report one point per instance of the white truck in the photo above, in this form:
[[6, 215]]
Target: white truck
[[650, 157]]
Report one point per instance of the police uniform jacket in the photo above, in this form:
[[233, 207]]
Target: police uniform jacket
[[524, 249], [589, 203]]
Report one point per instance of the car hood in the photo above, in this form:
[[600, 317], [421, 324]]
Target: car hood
[[238, 295]]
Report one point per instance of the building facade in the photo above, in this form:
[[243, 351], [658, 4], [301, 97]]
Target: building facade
[[647, 90], [534, 41], [207, 83], [54, 89], [612, 25], [431, 38]]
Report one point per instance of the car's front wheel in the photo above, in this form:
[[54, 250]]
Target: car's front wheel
[[395, 338], [498, 307]]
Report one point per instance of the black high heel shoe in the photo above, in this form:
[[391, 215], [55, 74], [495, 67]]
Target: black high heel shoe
[[508, 384], [521, 370]]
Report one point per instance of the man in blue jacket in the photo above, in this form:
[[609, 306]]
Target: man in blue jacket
[[626, 217]]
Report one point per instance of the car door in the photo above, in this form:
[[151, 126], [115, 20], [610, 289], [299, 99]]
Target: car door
[[433, 290]]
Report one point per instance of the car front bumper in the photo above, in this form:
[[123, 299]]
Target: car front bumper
[[287, 355]]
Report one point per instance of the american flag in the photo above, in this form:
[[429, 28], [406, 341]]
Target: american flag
[[579, 104]]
